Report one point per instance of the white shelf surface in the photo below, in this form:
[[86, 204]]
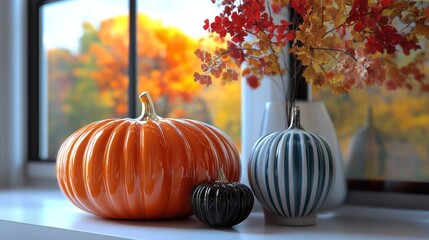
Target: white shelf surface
[[47, 214]]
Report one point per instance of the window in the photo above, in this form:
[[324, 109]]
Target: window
[[384, 139], [84, 66]]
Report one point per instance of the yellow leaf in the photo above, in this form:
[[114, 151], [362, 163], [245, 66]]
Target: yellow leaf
[[305, 56], [321, 57], [309, 74], [422, 30], [329, 41], [337, 12]]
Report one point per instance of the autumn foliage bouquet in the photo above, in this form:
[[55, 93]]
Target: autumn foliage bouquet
[[338, 44]]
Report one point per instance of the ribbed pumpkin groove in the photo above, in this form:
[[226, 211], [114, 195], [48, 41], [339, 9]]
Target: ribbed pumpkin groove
[[142, 168]]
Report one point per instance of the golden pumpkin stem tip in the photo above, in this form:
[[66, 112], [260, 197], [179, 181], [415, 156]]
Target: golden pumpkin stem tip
[[221, 176], [148, 110]]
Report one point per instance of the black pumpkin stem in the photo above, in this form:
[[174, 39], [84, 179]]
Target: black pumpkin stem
[[221, 178]]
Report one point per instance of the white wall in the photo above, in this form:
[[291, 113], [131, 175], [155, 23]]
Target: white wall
[[12, 92]]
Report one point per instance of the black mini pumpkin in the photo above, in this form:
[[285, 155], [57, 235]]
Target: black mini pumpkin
[[222, 203]]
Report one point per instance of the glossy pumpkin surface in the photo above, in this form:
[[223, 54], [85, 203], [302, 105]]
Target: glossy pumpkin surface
[[142, 168], [222, 203]]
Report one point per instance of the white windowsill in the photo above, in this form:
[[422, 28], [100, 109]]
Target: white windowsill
[[47, 214]]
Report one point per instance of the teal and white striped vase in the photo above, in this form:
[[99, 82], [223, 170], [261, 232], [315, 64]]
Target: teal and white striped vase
[[291, 174]]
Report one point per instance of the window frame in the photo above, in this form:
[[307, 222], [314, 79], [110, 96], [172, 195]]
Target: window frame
[[34, 73], [33, 78], [413, 194]]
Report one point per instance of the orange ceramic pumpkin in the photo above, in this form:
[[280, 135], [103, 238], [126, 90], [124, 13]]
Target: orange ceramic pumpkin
[[142, 168]]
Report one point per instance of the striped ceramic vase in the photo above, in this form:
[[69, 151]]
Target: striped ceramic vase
[[291, 174]]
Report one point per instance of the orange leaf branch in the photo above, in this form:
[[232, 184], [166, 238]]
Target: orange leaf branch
[[336, 50]]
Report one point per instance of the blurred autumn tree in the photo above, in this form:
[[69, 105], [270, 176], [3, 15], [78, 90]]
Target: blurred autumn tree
[[402, 117], [92, 83], [60, 65], [165, 62], [104, 60], [74, 101]]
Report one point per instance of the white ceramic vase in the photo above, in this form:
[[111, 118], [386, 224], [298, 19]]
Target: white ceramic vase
[[314, 118]]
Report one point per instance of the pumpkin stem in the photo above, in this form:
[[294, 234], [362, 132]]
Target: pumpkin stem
[[148, 111], [295, 122], [221, 176]]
